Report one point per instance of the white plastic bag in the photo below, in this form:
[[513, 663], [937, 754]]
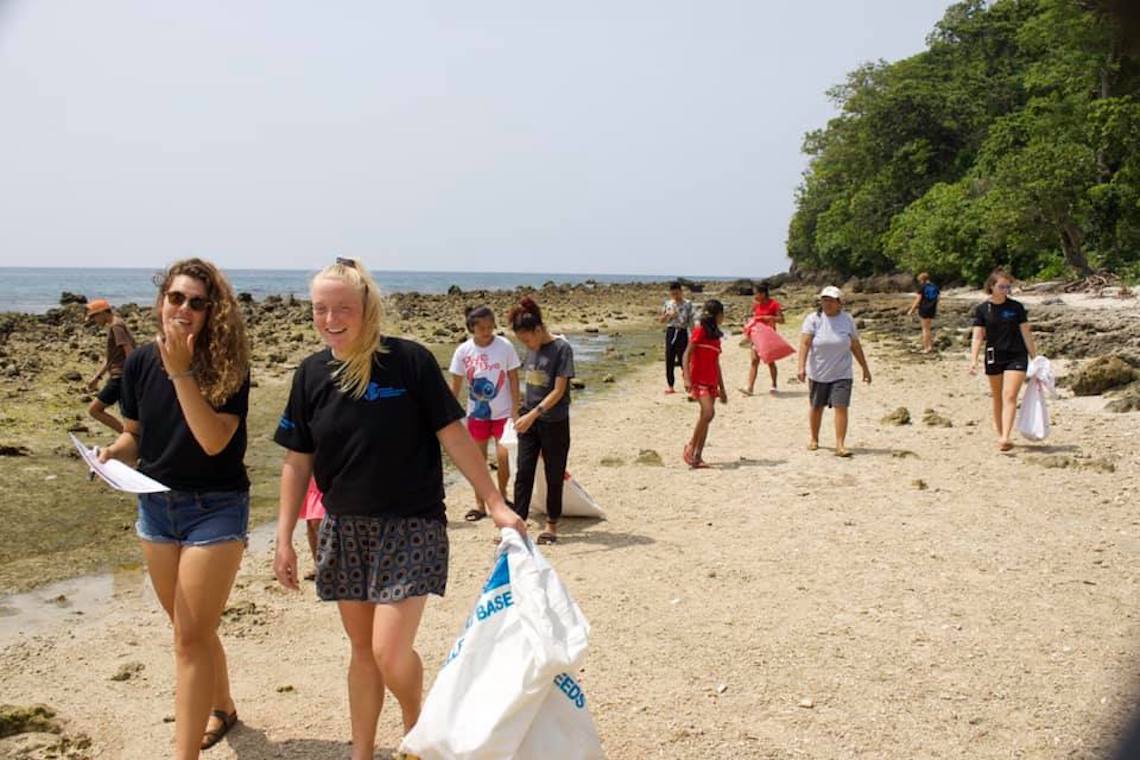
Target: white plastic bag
[[563, 727], [576, 500], [1033, 418], [524, 632]]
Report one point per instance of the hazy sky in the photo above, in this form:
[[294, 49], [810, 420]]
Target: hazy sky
[[628, 136]]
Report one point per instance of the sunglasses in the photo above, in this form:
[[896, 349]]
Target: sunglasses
[[196, 303], [1002, 287]]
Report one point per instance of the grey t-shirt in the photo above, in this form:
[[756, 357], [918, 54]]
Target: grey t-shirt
[[540, 369], [829, 358]]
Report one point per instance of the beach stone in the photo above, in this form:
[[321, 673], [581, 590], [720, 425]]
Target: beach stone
[[577, 384], [67, 297], [919, 484], [454, 290], [650, 457], [807, 703], [903, 454], [127, 671], [611, 461], [14, 451], [18, 719], [1101, 374], [741, 287], [900, 416], [1129, 401], [608, 379], [72, 377], [78, 427], [286, 689], [934, 419]]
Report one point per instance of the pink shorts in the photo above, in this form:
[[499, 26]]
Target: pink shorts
[[481, 430], [312, 508]]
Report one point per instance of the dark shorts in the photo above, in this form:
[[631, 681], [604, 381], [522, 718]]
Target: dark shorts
[[996, 364], [111, 392], [193, 518], [837, 393], [382, 560], [928, 312]]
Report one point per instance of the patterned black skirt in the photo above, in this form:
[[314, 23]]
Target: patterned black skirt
[[382, 560]]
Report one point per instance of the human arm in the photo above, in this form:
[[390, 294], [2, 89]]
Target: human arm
[[295, 473], [212, 429], [685, 366], [525, 421], [93, 383], [125, 448], [857, 352], [914, 304], [463, 452], [720, 384], [801, 361], [456, 382], [513, 381], [977, 340], [1027, 336]]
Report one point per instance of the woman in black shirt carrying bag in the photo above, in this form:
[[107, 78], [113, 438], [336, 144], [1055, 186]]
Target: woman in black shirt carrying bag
[[366, 417], [1002, 324], [184, 403]]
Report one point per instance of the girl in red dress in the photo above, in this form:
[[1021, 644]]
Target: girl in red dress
[[703, 379]]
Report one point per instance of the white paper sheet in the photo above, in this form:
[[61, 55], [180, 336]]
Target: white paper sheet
[[116, 474]]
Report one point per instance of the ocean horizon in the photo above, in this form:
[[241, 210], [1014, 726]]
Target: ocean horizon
[[35, 290]]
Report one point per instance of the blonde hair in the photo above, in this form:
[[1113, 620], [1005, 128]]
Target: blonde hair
[[221, 351], [923, 277], [355, 368]]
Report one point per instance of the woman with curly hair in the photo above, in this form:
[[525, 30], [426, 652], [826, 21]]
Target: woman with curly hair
[[366, 417], [184, 403]]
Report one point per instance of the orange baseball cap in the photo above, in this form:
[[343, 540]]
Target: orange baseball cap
[[97, 306]]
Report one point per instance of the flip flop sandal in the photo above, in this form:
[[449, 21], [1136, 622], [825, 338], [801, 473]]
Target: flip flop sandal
[[474, 515], [700, 464], [546, 538], [843, 453], [215, 735], [813, 446]]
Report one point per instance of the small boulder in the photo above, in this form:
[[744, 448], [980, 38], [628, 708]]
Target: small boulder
[[934, 419], [67, 297], [127, 671], [900, 416], [1102, 374], [650, 457]]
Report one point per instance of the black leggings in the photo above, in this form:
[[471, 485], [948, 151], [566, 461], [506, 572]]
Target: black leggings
[[676, 341], [552, 441]]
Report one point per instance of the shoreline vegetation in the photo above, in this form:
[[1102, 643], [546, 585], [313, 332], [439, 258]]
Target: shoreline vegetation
[[1011, 140]]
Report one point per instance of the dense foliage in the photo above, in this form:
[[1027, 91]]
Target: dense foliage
[[1013, 139]]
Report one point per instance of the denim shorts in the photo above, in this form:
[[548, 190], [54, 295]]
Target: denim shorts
[[193, 518]]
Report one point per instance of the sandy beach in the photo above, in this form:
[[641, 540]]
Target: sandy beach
[[927, 598]]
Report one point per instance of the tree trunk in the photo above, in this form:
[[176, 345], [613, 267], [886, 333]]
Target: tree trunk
[[1072, 245]]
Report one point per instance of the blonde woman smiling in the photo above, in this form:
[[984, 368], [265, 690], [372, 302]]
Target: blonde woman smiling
[[366, 417]]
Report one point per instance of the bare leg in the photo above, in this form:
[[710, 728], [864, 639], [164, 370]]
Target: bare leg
[[995, 398], [1012, 383], [773, 372], [927, 335], [752, 371], [193, 584], [479, 503], [98, 411], [815, 419], [840, 429], [504, 471], [701, 434], [365, 683], [394, 629], [311, 528]]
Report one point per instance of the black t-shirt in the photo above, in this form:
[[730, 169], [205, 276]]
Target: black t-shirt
[[168, 450], [1003, 326], [541, 369], [376, 455]]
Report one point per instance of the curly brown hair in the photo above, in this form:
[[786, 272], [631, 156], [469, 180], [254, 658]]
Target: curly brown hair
[[221, 351]]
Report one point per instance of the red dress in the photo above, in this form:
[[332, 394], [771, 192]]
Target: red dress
[[704, 360]]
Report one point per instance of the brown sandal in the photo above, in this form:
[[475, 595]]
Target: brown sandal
[[215, 735], [546, 537]]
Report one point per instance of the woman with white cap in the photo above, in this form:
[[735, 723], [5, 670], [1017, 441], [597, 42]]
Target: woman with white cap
[[828, 340]]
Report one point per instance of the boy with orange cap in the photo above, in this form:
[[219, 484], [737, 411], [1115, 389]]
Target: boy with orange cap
[[119, 344]]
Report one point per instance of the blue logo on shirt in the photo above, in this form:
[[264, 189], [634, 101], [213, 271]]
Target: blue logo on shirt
[[1008, 313], [287, 424], [375, 392]]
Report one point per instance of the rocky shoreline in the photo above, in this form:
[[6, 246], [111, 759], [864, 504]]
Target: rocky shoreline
[[63, 525]]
